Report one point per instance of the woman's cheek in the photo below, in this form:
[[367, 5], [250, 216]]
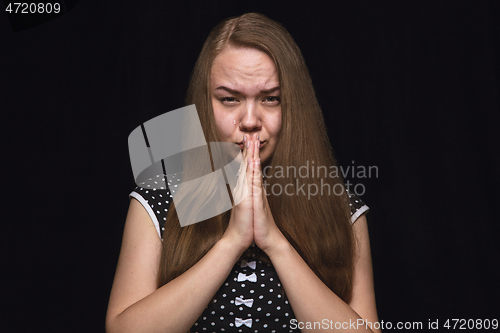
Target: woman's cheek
[[224, 126], [276, 128]]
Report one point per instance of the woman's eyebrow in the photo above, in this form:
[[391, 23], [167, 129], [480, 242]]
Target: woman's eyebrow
[[268, 91], [236, 92]]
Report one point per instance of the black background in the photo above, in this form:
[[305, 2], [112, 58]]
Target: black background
[[411, 87]]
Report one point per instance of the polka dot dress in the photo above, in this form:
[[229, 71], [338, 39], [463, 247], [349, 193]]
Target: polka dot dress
[[357, 206], [252, 298]]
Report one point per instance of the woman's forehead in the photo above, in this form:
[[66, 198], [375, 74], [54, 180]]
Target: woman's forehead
[[244, 69]]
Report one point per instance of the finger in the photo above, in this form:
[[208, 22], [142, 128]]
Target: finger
[[255, 155], [262, 180], [261, 173], [257, 147], [257, 181], [243, 185], [248, 161], [259, 193], [244, 166], [257, 158], [245, 139], [258, 173]]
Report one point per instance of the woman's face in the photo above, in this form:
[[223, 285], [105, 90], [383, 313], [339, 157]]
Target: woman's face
[[246, 98]]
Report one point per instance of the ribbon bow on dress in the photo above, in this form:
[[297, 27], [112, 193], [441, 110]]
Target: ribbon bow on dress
[[251, 264], [247, 322], [248, 302], [243, 277]]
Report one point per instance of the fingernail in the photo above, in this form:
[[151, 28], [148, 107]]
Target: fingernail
[[244, 138], [257, 136], [258, 144], [258, 161], [248, 144]]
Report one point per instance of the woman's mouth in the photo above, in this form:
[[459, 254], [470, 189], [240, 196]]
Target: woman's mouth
[[262, 144]]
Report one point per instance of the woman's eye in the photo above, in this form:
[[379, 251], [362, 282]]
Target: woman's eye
[[272, 99], [228, 99]]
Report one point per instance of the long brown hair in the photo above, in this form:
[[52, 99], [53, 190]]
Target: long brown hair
[[317, 227]]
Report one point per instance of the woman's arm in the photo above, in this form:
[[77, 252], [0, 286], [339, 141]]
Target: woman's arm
[[363, 292], [313, 301], [136, 305]]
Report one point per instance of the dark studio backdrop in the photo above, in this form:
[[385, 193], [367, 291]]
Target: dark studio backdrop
[[411, 87]]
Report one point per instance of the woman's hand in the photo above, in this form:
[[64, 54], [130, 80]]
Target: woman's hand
[[266, 234], [240, 229], [252, 220]]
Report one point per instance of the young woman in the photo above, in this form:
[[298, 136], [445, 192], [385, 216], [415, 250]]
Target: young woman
[[279, 261]]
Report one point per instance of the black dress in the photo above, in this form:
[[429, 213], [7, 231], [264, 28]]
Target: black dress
[[251, 299]]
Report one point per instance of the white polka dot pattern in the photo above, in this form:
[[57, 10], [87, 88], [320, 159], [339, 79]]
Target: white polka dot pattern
[[356, 206], [252, 302]]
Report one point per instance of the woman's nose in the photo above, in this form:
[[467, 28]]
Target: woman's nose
[[251, 120]]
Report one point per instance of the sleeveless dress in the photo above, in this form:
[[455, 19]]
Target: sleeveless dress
[[251, 299]]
